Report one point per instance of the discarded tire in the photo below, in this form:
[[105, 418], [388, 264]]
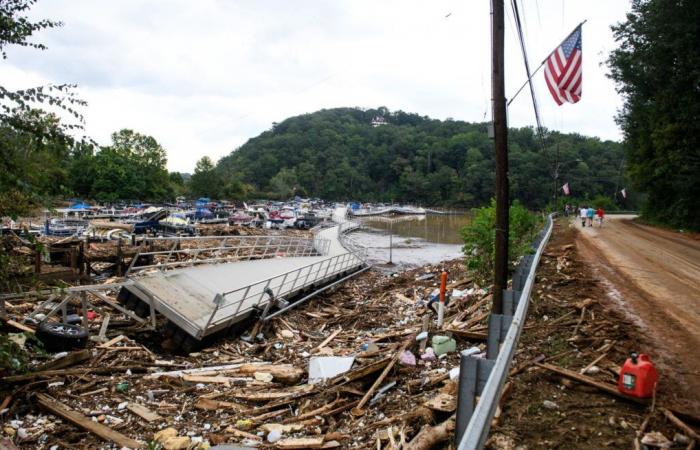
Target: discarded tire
[[58, 337]]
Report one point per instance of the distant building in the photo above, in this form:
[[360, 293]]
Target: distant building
[[378, 120]]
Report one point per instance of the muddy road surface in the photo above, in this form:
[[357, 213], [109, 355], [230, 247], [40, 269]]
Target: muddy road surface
[[654, 277]]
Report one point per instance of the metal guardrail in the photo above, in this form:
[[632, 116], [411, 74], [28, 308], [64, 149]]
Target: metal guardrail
[[216, 249], [484, 378]]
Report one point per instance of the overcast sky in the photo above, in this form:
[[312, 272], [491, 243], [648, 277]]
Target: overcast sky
[[202, 77]]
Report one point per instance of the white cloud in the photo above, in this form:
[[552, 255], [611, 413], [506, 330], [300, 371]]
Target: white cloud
[[203, 77]]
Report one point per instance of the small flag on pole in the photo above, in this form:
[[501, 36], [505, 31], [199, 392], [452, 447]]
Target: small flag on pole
[[565, 188], [563, 69], [624, 193]]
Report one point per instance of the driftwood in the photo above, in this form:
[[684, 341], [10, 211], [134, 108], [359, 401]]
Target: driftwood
[[74, 417], [605, 387], [429, 437], [680, 424], [357, 411]]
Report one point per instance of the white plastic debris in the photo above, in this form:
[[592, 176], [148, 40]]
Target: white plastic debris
[[454, 373], [423, 335], [324, 367], [274, 436]]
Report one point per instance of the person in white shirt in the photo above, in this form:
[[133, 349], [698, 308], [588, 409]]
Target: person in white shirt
[[583, 214]]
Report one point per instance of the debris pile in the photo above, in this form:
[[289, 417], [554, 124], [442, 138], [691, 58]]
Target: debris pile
[[562, 389], [360, 367]]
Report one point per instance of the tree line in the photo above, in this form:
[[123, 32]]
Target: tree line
[[338, 154]]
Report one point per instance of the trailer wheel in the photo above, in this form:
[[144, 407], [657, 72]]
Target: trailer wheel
[[141, 309], [189, 344], [58, 337]]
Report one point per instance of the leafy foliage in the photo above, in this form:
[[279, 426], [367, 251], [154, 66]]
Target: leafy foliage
[[337, 154], [657, 70], [479, 237]]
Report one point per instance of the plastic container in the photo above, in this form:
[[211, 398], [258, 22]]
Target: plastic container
[[638, 376]]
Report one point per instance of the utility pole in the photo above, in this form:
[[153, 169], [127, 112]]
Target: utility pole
[[500, 128]]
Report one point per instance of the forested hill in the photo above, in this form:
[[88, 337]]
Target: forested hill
[[338, 154]]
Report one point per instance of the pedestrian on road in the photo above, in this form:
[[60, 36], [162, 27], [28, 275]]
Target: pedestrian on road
[[590, 212], [601, 214], [583, 214]]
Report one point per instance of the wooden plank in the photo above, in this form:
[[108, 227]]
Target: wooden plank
[[214, 405], [327, 340], [205, 379], [74, 417], [143, 412], [605, 387], [357, 411], [19, 326], [293, 443], [680, 424], [442, 402], [67, 361]]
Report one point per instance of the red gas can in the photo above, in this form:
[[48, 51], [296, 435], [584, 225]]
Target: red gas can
[[638, 376]]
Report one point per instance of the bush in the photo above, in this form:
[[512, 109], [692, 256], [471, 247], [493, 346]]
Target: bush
[[479, 238]]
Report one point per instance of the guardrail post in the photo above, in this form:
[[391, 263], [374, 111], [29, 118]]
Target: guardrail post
[[473, 373], [498, 326]]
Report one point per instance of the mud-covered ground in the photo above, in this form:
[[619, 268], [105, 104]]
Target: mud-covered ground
[[572, 323]]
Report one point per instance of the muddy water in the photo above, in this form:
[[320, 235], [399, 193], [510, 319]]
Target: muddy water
[[415, 240]]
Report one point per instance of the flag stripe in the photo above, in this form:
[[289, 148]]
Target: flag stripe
[[564, 70]]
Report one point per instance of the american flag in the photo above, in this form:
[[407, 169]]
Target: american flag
[[565, 188], [624, 193], [562, 70]]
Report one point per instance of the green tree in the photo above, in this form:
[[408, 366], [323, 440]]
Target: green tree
[[205, 181], [34, 144], [657, 70]]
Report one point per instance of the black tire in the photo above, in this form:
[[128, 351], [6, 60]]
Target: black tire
[[58, 337], [141, 309], [189, 345], [132, 302]]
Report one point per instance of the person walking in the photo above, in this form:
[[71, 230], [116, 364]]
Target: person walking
[[590, 212], [583, 213], [600, 213]]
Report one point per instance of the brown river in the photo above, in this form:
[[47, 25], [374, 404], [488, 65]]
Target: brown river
[[412, 241]]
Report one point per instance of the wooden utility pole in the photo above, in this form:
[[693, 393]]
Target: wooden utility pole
[[500, 128]]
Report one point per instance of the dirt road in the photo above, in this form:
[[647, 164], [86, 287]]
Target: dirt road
[[654, 277]]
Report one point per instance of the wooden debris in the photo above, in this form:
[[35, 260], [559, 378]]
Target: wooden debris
[[67, 361], [605, 387], [327, 340], [429, 437], [680, 424], [143, 412], [357, 411], [74, 417], [442, 402], [283, 373], [293, 443]]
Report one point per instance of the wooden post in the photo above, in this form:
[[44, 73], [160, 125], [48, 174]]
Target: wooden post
[[500, 279]]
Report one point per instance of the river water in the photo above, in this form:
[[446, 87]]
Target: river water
[[415, 240]]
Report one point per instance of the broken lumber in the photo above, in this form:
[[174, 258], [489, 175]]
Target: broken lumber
[[143, 412], [680, 424], [74, 417], [357, 411], [283, 373], [66, 361], [327, 340], [429, 437], [293, 443], [605, 387]]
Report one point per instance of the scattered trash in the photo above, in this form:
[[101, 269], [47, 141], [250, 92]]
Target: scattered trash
[[443, 344], [122, 386], [407, 358], [428, 355], [548, 404], [422, 336], [325, 367], [656, 439]]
